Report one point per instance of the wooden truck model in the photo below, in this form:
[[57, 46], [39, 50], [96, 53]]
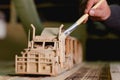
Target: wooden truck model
[[49, 53], [52, 52]]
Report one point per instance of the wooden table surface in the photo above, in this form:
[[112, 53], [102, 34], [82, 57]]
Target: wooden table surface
[[87, 71]]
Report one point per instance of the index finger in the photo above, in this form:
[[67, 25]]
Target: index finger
[[90, 4]]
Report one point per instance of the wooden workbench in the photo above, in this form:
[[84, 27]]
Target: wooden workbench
[[84, 71]]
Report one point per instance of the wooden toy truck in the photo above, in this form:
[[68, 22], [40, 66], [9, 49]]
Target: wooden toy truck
[[52, 52], [49, 53]]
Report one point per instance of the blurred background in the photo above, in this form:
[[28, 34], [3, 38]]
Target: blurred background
[[100, 43]]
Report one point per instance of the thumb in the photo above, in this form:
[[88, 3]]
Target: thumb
[[92, 12], [95, 13]]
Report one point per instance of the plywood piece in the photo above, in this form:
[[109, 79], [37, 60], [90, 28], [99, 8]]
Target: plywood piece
[[115, 71]]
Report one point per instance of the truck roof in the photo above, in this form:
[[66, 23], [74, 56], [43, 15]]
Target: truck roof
[[50, 32]]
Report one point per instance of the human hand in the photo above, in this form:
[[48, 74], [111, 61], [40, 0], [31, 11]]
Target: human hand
[[101, 13]]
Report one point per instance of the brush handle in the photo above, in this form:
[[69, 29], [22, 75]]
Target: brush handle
[[98, 4]]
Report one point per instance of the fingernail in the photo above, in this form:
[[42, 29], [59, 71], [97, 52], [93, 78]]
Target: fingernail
[[92, 12]]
